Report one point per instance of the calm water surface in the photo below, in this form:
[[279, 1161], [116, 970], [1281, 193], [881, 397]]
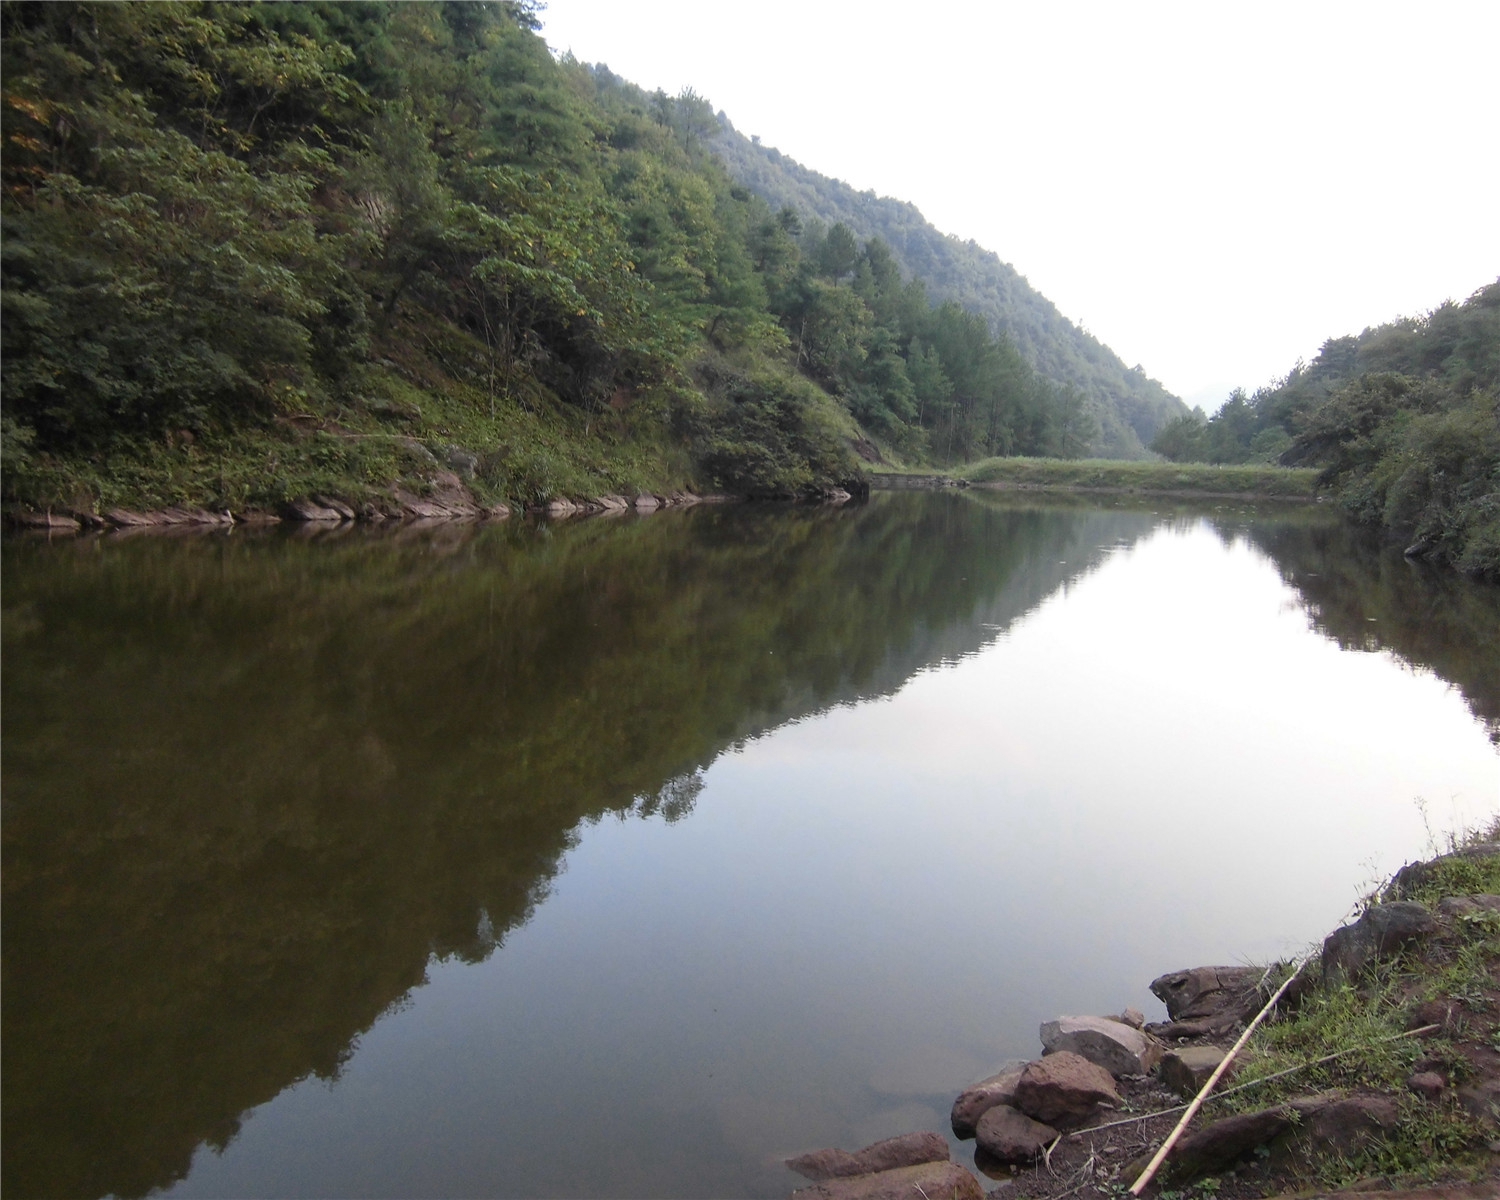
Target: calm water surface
[[625, 858]]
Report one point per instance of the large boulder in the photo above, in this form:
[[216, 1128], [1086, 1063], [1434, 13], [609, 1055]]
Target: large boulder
[[945, 1179], [1012, 1136], [1186, 1069], [1108, 1043], [905, 1150], [1064, 1089], [1344, 1125], [975, 1101], [1209, 1150], [1381, 931], [1206, 992]]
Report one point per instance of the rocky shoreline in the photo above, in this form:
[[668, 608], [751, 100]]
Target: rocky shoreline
[[447, 500], [1087, 1115]]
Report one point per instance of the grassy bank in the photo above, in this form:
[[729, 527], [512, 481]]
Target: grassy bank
[[1107, 475], [1449, 980]]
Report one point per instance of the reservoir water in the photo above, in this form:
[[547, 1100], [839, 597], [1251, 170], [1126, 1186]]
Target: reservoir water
[[627, 857]]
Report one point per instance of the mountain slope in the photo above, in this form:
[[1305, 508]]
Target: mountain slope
[[1131, 407]]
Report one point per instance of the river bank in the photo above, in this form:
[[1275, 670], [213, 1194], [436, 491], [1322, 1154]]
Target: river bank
[[1114, 477], [1377, 1069], [448, 500]]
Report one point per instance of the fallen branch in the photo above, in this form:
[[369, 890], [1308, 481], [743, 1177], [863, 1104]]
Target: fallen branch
[[1166, 1147]]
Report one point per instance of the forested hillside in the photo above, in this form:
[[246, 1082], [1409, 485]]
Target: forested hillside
[[1129, 406], [1404, 419], [260, 252]]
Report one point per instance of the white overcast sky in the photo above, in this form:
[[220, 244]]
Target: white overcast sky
[[1210, 188]]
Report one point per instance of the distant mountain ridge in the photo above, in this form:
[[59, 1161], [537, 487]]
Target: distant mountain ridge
[[1130, 405]]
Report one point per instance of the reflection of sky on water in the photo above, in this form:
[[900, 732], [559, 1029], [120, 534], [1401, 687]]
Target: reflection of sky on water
[[1159, 766]]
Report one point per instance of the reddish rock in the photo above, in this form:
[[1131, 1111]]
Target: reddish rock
[[824, 1164], [1011, 1136], [1345, 1126], [1446, 1014], [1133, 1017], [975, 1101], [905, 1150], [1214, 1147], [1481, 1096], [1063, 1089], [945, 1179], [1427, 1084]]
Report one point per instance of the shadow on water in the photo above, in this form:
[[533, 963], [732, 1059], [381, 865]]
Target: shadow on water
[[252, 784]]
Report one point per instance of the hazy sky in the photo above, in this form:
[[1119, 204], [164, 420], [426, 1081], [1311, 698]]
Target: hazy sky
[[1212, 189]]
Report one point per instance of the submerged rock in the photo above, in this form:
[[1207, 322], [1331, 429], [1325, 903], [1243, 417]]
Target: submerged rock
[[904, 1150], [831, 1163], [934, 1179], [1064, 1089], [975, 1101], [1012, 1136], [1108, 1043]]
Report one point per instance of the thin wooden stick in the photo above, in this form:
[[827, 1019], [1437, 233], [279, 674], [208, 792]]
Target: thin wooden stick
[[1166, 1147], [1254, 1083]]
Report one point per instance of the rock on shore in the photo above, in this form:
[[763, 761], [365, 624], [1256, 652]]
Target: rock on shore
[[1105, 1042]]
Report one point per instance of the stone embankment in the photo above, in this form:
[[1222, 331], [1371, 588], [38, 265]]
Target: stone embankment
[[1085, 1117]]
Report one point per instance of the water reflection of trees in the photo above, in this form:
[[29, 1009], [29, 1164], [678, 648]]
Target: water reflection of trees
[[1366, 596], [252, 784]]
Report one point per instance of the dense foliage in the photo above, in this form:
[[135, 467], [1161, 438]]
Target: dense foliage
[[1128, 406], [287, 241], [1404, 421]]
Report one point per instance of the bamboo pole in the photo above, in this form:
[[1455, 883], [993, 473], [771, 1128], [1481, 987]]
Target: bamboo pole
[[1166, 1147], [1254, 1083]]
